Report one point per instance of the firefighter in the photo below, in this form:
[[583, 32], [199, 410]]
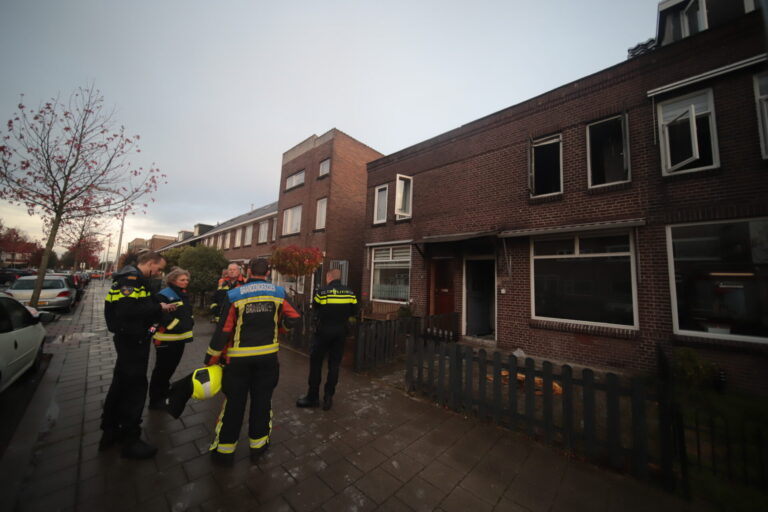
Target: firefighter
[[334, 306], [255, 311], [173, 332], [232, 278], [130, 310]]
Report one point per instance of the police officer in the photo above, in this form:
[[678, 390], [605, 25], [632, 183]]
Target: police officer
[[232, 278], [130, 310], [255, 311], [334, 306]]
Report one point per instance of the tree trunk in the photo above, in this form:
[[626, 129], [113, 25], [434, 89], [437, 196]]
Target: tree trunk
[[44, 263]]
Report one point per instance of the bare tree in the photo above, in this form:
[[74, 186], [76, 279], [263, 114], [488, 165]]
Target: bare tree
[[68, 161]]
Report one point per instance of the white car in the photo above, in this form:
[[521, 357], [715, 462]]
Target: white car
[[58, 292], [21, 340]]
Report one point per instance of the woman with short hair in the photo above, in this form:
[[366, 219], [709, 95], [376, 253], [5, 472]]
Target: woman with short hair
[[173, 332]]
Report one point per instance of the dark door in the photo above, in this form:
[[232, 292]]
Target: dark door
[[480, 298], [442, 293]]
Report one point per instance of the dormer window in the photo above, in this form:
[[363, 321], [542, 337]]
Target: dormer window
[[683, 18]]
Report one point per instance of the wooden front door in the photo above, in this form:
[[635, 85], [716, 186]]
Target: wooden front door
[[442, 287]]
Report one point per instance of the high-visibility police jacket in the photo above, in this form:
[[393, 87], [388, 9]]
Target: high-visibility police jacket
[[333, 305], [175, 326], [129, 308], [256, 311]]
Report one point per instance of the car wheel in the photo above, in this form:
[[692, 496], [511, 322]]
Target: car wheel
[[68, 308]]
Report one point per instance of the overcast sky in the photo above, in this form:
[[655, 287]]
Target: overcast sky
[[219, 90]]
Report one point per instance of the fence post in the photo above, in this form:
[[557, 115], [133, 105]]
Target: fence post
[[409, 387], [588, 390], [469, 361], [530, 395], [359, 346], [613, 420], [548, 413], [512, 384], [482, 371], [639, 430], [455, 375], [567, 379], [666, 443], [497, 387], [441, 381]]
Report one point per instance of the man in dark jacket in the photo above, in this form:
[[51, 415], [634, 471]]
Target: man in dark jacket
[[334, 306], [232, 279], [247, 341], [130, 310]]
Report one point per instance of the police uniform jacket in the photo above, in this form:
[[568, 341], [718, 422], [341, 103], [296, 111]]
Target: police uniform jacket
[[175, 326], [256, 311], [130, 309], [334, 304]]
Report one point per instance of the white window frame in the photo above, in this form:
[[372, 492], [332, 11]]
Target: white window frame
[[227, 240], [238, 237], [673, 289], [576, 255], [325, 167], [295, 179], [667, 169], [532, 167], [373, 269], [403, 211], [288, 216], [274, 229], [248, 235], [385, 188], [761, 103], [320, 212], [263, 232], [625, 141], [702, 15]]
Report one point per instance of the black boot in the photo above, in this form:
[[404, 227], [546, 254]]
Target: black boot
[[327, 402], [109, 438], [226, 460], [256, 453], [308, 401], [137, 449]]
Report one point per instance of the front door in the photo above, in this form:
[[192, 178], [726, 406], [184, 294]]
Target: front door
[[442, 286], [480, 292]]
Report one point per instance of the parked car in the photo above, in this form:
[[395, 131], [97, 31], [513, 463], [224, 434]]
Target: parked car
[[9, 275], [21, 339], [58, 292], [73, 281]]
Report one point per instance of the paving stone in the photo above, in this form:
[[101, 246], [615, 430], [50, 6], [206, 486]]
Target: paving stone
[[442, 476], [268, 484], [460, 500], [158, 483], [393, 504], [193, 493], [366, 458], [349, 499], [378, 485], [308, 495], [305, 466], [420, 495], [340, 475], [402, 466], [236, 499]]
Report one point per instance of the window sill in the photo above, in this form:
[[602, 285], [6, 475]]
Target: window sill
[[402, 221], [690, 173], [613, 187], [550, 198], [324, 176], [290, 235], [320, 230], [293, 188], [594, 330], [378, 224]]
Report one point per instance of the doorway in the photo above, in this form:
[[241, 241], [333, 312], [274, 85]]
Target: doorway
[[480, 298], [442, 286]]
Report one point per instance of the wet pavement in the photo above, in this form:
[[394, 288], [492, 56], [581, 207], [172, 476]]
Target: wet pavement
[[376, 449]]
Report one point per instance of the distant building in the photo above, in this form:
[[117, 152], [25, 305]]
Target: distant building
[[137, 244]]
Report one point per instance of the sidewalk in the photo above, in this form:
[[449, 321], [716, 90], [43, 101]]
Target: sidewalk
[[377, 449]]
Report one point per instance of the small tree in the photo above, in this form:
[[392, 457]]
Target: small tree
[[172, 256], [68, 161], [204, 265]]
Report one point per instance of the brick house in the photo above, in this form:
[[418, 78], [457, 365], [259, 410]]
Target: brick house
[[599, 220], [322, 203]]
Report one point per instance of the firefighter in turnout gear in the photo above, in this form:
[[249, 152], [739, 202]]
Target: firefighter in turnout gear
[[246, 341], [173, 332], [334, 307], [130, 310], [232, 279]]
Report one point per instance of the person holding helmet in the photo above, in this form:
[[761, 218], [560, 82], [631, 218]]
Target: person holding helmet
[[130, 309], [173, 332], [232, 278], [246, 340]]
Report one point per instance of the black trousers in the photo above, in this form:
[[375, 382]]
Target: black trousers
[[125, 398], [167, 358], [254, 376], [330, 344]]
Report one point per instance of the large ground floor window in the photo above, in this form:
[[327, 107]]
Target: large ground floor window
[[719, 278], [391, 268], [585, 278]]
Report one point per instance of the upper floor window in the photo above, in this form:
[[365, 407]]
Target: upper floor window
[[292, 220], [320, 213], [325, 167], [380, 204], [248, 236], [238, 236], [226, 239], [761, 97], [684, 18], [608, 155], [546, 172], [263, 232], [274, 229], [403, 197], [687, 132], [294, 180]]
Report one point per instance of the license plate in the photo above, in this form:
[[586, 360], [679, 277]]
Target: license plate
[[42, 303]]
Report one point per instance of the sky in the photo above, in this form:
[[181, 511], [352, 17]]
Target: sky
[[218, 91]]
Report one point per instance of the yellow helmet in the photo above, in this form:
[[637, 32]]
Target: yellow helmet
[[206, 382]]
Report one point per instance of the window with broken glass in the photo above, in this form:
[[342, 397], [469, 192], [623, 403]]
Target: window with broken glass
[[546, 167], [688, 135], [608, 155]]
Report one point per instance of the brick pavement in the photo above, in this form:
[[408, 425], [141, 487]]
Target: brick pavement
[[377, 449]]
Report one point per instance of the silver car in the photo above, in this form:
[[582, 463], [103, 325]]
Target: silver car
[[21, 340], [57, 292]]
